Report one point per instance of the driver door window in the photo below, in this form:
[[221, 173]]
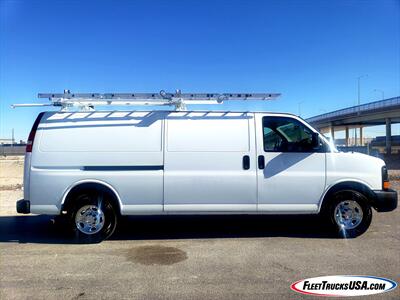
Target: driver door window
[[286, 135]]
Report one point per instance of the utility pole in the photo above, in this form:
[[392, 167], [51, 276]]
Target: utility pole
[[358, 103], [12, 138], [299, 105]]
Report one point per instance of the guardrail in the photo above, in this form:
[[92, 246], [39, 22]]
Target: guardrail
[[395, 101]]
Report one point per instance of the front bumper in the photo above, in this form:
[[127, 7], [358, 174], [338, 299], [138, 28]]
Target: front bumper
[[385, 200], [23, 206]]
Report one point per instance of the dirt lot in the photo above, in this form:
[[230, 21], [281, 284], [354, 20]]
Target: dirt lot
[[11, 180], [184, 257]]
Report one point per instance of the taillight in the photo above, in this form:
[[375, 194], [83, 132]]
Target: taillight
[[32, 134], [385, 178]]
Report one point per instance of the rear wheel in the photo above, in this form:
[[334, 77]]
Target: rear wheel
[[349, 213], [93, 217]]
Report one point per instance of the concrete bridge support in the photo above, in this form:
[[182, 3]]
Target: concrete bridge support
[[388, 136]]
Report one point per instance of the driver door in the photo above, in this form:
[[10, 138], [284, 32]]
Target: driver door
[[290, 171]]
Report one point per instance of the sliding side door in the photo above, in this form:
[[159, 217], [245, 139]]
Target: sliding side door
[[210, 162]]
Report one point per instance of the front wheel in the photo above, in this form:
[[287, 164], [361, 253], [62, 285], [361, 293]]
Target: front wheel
[[349, 213], [93, 217]]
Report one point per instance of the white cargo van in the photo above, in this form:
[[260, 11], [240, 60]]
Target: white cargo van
[[94, 166]]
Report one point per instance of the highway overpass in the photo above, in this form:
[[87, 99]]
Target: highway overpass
[[384, 112]]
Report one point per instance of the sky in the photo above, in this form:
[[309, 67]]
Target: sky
[[310, 51]]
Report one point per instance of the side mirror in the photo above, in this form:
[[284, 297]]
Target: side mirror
[[315, 140]]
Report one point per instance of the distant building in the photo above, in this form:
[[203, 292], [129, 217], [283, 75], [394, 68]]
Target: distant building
[[341, 142], [379, 143], [372, 146], [11, 142], [6, 141]]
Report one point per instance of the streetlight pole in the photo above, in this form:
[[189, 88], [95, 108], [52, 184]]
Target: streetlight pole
[[381, 91]]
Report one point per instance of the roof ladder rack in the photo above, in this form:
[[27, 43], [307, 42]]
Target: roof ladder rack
[[88, 101]]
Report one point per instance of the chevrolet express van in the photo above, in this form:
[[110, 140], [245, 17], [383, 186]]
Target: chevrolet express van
[[93, 167]]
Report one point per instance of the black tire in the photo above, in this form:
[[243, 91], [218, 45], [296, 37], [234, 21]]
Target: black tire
[[109, 216], [329, 213]]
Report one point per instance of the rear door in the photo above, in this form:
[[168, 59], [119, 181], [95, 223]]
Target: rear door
[[209, 162], [291, 173]]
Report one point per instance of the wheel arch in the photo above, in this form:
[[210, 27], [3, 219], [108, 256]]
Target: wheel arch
[[90, 184], [347, 185]]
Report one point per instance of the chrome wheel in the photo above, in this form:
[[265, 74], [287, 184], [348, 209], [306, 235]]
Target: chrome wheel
[[89, 219], [348, 214]]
